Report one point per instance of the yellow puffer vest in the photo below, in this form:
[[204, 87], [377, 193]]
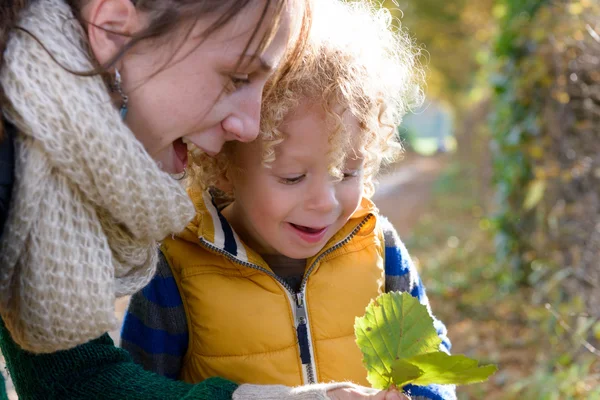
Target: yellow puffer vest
[[246, 326]]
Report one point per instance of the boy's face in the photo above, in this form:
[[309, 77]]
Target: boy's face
[[294, 207]]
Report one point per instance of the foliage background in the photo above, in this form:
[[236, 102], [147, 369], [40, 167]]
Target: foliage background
[[510, 245]]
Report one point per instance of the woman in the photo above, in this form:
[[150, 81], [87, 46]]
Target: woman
[[90, 200]]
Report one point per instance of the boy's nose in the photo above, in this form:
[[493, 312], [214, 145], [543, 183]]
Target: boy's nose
[[322, 198]]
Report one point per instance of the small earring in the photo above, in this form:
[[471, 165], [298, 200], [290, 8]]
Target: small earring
[[124, 98], [181, 176]]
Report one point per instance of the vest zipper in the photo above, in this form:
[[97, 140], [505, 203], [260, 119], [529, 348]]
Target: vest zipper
[[296, 299], [304, 341], [301, 305]]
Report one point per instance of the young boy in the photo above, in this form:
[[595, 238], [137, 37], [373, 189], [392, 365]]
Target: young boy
[[265, 284]]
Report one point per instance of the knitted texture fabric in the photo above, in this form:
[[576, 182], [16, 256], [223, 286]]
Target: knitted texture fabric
[[89, 203]]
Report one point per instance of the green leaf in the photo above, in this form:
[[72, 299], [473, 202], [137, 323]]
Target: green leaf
[[395, 326], [439, 368], [400, 345], [404, 372]]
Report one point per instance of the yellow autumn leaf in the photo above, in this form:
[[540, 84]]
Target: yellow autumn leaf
[[597, 330], [499, 11], [535, 193], [575, 8], [536, 152], [566, 176], [562, 97]]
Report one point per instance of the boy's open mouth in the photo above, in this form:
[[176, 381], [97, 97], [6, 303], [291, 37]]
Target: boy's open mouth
[[309, 230]]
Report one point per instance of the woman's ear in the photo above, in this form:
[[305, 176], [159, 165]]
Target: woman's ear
[[110, 24]]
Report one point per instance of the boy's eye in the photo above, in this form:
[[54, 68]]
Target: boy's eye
[[291, 181], [351, 174]]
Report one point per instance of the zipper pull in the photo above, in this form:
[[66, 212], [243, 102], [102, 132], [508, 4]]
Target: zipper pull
[[300, 310], [302, 329]]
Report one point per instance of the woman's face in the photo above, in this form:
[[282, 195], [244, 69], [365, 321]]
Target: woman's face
[[182, 91]]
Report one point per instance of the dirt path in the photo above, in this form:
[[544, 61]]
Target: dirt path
[[404, 191]]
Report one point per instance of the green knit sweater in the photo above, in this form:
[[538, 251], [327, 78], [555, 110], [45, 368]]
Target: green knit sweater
[[3, 394], [97, 370]]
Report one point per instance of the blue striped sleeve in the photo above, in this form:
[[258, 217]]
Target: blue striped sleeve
[[431, 392], [155, 330], [401, 275]]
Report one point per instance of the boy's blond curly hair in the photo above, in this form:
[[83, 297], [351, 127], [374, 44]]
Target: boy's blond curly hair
[[355, 61]]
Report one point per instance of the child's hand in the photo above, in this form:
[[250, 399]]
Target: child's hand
[[358, 393]]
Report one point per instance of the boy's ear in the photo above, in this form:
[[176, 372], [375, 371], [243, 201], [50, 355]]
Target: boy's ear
[[110, 25]]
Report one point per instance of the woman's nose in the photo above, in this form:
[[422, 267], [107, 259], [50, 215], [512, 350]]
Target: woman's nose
[[244, 124]]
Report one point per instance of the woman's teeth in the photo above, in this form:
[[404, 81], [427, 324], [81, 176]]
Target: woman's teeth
[[192, 148]]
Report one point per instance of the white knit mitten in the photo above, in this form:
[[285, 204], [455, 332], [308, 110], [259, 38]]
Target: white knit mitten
[[307, 392]]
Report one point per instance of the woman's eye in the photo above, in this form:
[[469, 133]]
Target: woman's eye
[[240, 80], [291, 181]]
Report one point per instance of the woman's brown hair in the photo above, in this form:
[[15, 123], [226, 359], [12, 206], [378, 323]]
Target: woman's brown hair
[[165, 17], [9, 10]]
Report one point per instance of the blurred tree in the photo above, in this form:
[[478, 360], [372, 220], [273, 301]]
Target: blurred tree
[[457, 36], [546, 140], [546, 147]]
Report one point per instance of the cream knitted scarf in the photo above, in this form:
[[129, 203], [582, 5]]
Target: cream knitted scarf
[[89, 204]]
